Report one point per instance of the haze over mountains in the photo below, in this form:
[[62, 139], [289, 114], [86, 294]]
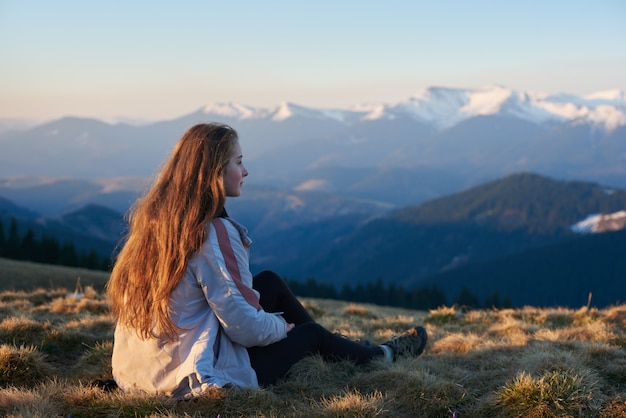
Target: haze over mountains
[[341, 194], [478, 134]]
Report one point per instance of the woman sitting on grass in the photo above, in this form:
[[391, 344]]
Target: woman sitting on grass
[[189, 313]]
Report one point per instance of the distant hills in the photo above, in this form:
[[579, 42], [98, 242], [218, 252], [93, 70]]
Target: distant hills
[[496, 219], [92, 227], [518, 237]]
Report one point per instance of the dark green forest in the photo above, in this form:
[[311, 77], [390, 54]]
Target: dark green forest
[[27, 246], [563, 274]]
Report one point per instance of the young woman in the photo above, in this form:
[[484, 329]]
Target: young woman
[[189, 315]]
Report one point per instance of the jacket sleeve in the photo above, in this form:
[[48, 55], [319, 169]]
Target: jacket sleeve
[[223, 272]]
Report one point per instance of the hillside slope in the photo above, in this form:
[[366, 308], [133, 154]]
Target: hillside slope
[[22, 275], [498, 219], [563, 274]]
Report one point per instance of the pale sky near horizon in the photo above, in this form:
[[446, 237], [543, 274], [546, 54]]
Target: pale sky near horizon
[[159, 59]]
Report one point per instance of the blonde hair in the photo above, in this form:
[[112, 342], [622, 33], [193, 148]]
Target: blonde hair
[[166, 227]]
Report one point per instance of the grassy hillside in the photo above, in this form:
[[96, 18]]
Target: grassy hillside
[[20, 275], [480, 363]]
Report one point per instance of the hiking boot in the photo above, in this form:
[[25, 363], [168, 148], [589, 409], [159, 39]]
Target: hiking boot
[[409, 344]]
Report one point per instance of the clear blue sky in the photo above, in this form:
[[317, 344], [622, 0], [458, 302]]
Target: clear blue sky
[[161, 59]]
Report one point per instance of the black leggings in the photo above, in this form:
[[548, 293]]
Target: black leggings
[[308, 337]]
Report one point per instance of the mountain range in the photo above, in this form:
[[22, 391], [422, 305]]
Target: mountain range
[[508, 237], [435, 189], [463, 136]]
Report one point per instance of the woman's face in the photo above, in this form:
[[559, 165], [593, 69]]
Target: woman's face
[[234, 172]]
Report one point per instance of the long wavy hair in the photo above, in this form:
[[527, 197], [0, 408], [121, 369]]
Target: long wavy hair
[[166, 227]]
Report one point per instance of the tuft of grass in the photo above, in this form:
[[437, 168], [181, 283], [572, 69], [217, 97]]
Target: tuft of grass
[[443, 315], [22, 330], [410, 390], [23, 402], [555, 393], [22, 366], [353, 404]]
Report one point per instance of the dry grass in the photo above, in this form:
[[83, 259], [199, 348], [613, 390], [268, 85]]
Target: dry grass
[[19, 275], [526, 362]]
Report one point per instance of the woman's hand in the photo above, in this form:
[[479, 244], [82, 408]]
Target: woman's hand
[[290, 326]]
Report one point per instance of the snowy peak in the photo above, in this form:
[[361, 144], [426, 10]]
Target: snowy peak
[[288, 110], [235, 111], [444, 107], [438, 105]]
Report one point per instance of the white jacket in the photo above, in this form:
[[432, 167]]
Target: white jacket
[[219, 315]]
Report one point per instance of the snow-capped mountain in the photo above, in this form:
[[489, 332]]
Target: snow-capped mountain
[[444, 107], [465, 136]]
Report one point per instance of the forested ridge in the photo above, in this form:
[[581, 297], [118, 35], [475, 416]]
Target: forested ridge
[[506, 243]]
